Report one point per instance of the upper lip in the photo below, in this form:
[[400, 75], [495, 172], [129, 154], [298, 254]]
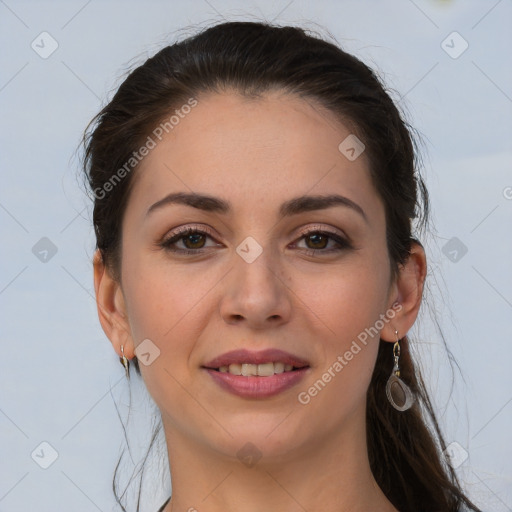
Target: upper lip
[[262, 356]]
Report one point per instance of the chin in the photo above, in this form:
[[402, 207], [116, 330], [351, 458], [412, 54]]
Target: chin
[[269, 438]]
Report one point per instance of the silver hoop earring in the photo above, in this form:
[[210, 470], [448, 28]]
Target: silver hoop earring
[[397, 391], [124, 361]]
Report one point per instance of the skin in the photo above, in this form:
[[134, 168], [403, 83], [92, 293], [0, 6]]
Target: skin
[[258, 153]]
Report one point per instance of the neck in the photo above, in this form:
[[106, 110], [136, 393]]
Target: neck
[[332, 474]]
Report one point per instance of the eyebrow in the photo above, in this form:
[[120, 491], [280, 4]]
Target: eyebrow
[[291, 207]]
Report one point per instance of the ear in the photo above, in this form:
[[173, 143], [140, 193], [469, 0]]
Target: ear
[[111, 308], [407, 291]]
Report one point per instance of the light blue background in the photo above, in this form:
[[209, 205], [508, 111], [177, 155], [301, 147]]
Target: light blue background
[[58, 373]]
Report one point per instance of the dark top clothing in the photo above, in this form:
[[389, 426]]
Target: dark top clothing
[[163, 506]]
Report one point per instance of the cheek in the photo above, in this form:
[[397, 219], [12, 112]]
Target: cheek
[[346, 300], [171, 306], [161, 297], [344, 310], [166, 306]]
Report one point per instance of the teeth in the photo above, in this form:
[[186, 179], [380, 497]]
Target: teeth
[[235, 369], [249, 369], [260, 370], [278, 367], [266, 369]]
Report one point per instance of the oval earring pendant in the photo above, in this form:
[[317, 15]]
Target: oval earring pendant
[[399, 394]]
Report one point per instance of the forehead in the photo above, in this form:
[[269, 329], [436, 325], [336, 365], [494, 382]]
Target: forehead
[[254, 150]]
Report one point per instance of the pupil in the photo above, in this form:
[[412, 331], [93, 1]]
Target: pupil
[[317, 236], [195, 238]]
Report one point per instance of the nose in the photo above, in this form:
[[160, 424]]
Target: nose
[[256, 293]]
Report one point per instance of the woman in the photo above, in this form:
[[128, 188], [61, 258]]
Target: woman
[[254, 195]]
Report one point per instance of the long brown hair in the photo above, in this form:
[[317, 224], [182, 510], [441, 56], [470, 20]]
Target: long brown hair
[[405, 448]]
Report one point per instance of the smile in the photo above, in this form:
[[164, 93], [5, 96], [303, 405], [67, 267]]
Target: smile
[[260, 374], [256, 370]]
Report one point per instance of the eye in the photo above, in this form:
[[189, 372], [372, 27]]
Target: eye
[[317, 241], [193, 240]]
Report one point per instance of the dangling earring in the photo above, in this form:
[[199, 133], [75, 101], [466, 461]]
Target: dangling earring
[[397, 391], [125, 362]]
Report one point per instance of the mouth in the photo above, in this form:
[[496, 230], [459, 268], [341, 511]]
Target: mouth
[[257, 374], [257, 370], [263, 363]]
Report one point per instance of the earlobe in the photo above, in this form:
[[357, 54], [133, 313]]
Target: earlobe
[[111, 307], [408, 293]]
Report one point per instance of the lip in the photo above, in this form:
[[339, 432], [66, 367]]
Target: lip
[[257, 387], [262, 356], [254, 386]]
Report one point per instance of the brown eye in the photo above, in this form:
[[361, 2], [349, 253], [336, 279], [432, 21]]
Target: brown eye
[[192, 240], [319, 240]]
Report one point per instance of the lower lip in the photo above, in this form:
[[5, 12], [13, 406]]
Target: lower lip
[[257, 387]]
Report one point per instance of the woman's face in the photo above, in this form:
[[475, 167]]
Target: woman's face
[[260, 276]]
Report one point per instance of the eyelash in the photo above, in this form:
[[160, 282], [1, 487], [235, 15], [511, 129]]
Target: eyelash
[[166, 244]]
